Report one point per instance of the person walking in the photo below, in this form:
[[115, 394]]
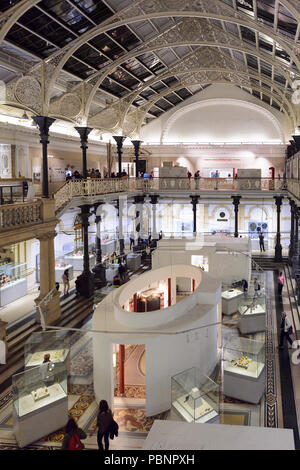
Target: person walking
[[73, 436], [280, 283], [286, 330], [66, 282], [197, 178], [261, 242], [105, 424]]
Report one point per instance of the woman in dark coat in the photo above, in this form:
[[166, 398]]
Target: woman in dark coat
[[105, 424]]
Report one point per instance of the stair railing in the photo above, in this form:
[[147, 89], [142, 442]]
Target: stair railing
[[42, 304]]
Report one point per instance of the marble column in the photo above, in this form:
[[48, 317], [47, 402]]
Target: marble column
[[84, 133], [120, 208], [194, 202], [85, 281], [99, 270], [292, 231], [44, 123], [236, 202], [47, 278], [278, 247], [153, 201]]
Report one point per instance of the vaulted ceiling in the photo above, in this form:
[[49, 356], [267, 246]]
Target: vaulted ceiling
[[115, 64]]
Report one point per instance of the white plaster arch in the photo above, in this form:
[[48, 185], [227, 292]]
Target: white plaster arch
[[225, 207], [219, 101], [267, 210]]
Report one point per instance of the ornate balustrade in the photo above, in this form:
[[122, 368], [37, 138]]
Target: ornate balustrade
[[293, 186], [16, 215], [93, 186]]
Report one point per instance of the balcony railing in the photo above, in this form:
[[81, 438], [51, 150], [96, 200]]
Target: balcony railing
[[16, 215], [94, 186]]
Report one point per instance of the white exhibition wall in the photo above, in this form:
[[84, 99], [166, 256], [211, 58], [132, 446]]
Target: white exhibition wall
[[220, 113]]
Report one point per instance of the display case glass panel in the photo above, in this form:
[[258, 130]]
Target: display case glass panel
[[252, 304], [195, 396], [54, 343], [231, 293], [10, 273], [38, 387], [244, 356]]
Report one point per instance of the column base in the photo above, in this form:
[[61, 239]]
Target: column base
[[85, 284], [52, 311], [99, 276]]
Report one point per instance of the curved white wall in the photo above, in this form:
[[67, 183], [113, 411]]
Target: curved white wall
[[169, 349], [222, 120]]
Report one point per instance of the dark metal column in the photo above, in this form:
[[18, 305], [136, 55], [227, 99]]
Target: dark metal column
[[292, 233], [194, 202], [119, 139], [99, 270], [85, 282], [44, 124], [236, 202], [84, 133], [278, 247], [138, 201], [136, 144]]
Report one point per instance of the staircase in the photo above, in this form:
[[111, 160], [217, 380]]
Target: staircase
[[268, 263], [74, 311]]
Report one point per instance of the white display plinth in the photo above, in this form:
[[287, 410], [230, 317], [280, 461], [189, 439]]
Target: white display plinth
[[59, 272], [37, 419], [134, 261], [111, 272], [175, 435], [108, 247], [244, 384], [252, 320], [230, 301], [77, 261], [13, 291]]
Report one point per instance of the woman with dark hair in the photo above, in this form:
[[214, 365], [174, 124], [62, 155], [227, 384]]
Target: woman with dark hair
[[72, 437], [105, 424]]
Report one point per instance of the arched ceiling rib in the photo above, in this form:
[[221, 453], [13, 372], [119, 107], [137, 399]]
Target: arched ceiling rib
[[262, 35]]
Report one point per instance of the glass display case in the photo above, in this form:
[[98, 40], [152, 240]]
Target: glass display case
[[230, 300], [244, 356], [252, 304], [195, 396], [13, 282], [75, 258], [37, 387], [56, 344]]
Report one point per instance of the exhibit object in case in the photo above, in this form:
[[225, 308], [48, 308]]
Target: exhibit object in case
[[244, 369], [195, 396], [252, 309], [54, 343], [40, 402], [230, 300], [13, 283]]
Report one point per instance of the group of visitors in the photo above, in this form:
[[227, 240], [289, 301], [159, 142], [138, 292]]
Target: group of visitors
[[106, 425], [91, 173]]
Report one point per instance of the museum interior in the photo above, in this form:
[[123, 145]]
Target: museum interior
[[149, 222]]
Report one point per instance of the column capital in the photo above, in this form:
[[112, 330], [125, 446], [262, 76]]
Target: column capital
[[44, 123], [154, 199], [278, 201], [236, 201], [139, 199], [83, 133], [46, 236], [85, 214], [195, 199]]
